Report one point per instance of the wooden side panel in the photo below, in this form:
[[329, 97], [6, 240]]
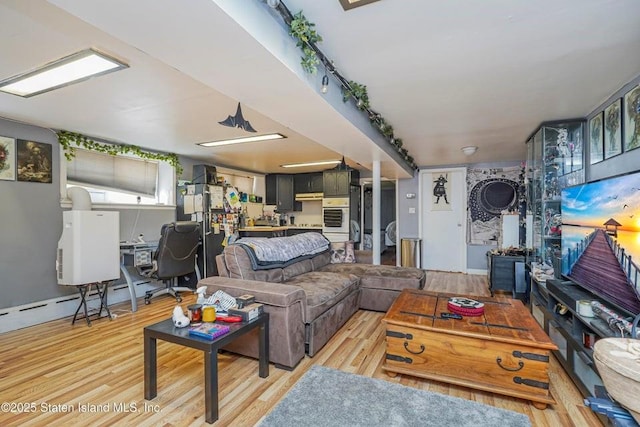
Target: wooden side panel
[[473, 362]]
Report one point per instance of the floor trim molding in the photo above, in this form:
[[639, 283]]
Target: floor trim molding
[[22, 316]]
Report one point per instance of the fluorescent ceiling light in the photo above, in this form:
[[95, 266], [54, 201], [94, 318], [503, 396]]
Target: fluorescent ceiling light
[[300, 165], [256, 138], [62, 72]]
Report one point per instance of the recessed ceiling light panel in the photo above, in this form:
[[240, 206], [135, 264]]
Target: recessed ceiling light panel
[[256, 138], [320, 163], [62, 72]]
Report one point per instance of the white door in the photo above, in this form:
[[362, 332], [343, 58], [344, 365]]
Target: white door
[[443, 227]]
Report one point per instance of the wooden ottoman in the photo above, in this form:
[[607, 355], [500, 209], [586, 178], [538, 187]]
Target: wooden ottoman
[[503, 351]]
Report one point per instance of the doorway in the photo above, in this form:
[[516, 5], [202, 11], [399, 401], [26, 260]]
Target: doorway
[[443, 226], [387, 219]]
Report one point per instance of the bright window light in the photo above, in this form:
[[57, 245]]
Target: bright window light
[[256, 138], [71, 69], [301, 165]]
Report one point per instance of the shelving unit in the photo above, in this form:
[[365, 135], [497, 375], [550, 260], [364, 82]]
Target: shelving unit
[[554, 161], [573, 333]]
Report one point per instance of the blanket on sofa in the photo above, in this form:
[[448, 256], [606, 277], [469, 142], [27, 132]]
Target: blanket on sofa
[[283, 249]]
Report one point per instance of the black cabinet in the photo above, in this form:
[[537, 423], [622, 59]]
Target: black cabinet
[[308, 183], [336, 183], [553, 305], [506, 273], [279, 189]]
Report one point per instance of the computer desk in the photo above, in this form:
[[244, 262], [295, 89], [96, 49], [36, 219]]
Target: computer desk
[[135, 254]]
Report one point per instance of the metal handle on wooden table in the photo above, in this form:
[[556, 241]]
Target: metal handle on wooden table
[[499, 362], [406, 347]]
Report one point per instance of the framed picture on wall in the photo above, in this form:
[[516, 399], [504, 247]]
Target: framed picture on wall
[[596, 141], [441, 194], [613, 129], [632, 119], [34, 161], [7, 159]]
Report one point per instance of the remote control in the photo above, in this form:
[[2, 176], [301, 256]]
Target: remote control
[[450, 316]]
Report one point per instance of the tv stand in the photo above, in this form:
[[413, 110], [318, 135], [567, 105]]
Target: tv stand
[[553, 305]]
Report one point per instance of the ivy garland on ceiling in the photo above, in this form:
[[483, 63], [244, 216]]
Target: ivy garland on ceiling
[[307, 37], [70, 140]]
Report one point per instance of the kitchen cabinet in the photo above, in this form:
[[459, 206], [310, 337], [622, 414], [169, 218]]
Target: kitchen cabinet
[[279, 191], [336, 183], [554, 162], [308, 183]]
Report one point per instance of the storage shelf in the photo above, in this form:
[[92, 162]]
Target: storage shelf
[[568, 331]]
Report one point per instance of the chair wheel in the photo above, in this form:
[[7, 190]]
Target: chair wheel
[[147, 302], [179, 299]]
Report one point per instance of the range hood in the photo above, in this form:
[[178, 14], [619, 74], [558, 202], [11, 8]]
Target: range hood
[[304, 197]]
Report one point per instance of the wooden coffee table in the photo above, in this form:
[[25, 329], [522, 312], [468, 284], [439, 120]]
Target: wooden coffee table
[[503, 351]]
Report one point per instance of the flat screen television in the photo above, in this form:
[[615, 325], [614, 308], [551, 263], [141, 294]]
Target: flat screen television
[[601, 239]]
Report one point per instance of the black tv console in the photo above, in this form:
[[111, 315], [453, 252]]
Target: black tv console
[[553, 305]]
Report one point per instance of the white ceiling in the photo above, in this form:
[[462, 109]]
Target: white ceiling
[[444, 74]]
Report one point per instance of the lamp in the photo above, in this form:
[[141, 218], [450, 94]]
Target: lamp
[[469, 150], [325, 84]]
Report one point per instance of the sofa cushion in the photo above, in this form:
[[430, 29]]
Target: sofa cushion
[[238, 265], [342, 252], [320, 260], [381, 276], [296, 269], [323, 290]]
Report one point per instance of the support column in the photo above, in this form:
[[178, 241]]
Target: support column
[[375, 212]]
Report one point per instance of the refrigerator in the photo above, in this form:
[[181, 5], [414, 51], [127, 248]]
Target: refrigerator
[[203, 203]]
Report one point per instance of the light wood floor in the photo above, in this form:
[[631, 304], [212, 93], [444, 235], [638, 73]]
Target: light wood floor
[[48, 366]]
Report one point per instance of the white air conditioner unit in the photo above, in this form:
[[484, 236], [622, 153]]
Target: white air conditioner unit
[[89, 248]]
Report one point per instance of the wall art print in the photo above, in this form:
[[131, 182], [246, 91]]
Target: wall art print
[[7, 159], [491, 191], [596, 141], [632, 119], [612, 130], [441, 192], [34, 161]]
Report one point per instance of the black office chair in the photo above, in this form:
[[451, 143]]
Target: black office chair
[[174, 257]]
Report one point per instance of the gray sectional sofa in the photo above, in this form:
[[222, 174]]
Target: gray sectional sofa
[[308, 298]]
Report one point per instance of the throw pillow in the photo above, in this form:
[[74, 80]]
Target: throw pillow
[[342, 252]]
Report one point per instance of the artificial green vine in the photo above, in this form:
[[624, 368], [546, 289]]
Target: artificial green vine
[[357, 92], [306, 35], [302, 30], [71, 140]]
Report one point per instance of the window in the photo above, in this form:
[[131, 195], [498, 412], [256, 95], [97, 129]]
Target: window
[[120, 179]]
